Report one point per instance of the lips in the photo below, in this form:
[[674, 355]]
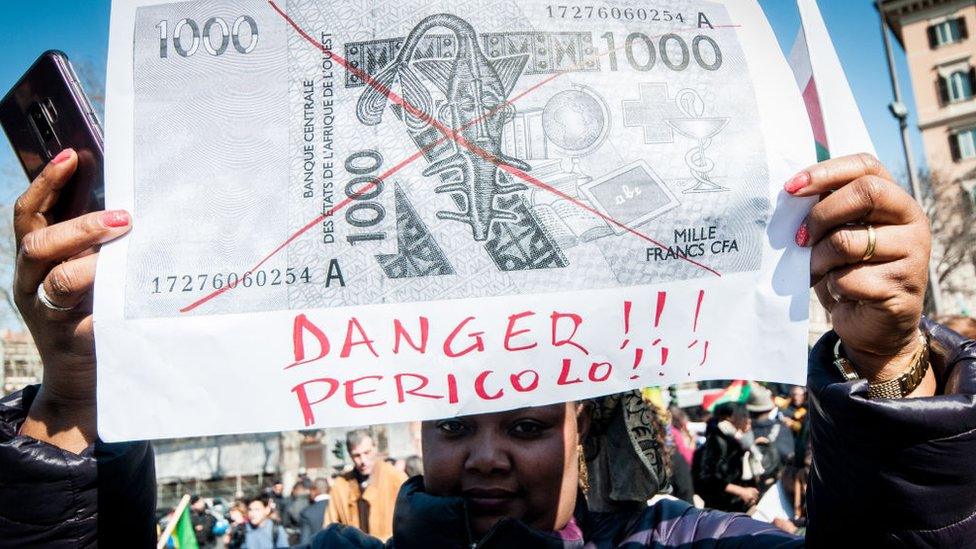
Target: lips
[[489, 501]]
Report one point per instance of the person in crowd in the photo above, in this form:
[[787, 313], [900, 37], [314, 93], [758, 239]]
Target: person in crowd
[[717, 466], [413, 466], [400, 464], [773, 444], [364, 497], [961, 324], [794, 408], [276, 494], [892, 414], [295, 503], [681, 445], [794, 415], [313, 516], [684, 441], [261, 531], [236, 517], [203, 522]]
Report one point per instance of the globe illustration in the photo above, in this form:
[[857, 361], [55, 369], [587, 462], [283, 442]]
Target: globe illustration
[[575, 120]]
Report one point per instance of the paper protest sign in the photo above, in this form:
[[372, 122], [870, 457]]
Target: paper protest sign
[[359, 212]]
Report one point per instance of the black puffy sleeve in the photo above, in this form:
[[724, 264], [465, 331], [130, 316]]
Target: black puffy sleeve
[[53, 498], [894, 471]]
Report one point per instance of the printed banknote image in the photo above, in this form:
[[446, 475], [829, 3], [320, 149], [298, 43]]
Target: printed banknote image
[[337, 153]]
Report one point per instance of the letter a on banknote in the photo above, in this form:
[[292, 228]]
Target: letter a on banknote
[[369, 211]]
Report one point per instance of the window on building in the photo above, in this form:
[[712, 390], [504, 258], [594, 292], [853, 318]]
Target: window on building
[[948, 32], [959, 85], [963, 145]]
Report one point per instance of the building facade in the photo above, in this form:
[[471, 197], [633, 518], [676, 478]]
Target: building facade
[[939, 38], [21, 364], [941, 50]]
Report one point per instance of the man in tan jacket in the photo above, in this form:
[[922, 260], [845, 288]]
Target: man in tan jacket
[[365, 496]]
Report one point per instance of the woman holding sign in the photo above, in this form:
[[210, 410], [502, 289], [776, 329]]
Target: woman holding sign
[[893, 412]]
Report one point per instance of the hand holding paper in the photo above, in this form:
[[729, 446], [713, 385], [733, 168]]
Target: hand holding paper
[[655, 130], [359, 236], [871, 244]]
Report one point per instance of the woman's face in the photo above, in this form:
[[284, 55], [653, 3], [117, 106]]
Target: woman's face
[[520, 464]]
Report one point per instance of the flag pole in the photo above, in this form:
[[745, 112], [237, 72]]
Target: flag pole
[[900, 112], [171, 525]]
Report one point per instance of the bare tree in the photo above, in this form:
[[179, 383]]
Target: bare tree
[[952, 212], [93, 82], [9, 315]]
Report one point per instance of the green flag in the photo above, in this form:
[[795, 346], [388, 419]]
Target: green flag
[[183, 535]]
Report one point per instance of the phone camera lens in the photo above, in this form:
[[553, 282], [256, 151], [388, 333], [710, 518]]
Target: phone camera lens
[[50, 111], [42, 115]]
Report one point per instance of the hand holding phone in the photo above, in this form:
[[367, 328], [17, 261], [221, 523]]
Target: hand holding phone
[[47, 112], [59, 227]]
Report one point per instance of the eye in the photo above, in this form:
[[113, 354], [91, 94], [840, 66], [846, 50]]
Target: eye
[[527, 428], [451, 427]]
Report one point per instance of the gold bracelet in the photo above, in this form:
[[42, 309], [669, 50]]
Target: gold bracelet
[[899, 387]]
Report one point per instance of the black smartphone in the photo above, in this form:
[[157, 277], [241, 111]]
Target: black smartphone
[[47, 111]]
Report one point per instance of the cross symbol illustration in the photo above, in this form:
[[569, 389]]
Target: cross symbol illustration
[[650, 112]]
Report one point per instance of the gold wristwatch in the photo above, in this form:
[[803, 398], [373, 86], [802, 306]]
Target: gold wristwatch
[[899, 387]]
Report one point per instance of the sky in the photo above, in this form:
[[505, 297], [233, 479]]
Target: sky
[[80, 29]]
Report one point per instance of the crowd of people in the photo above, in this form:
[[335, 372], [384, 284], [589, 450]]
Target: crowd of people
[[362, 497], [889, 413], [726, 458]]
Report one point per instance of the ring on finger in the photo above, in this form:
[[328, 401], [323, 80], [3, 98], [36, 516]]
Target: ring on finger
[[872, 244], [46, 301]]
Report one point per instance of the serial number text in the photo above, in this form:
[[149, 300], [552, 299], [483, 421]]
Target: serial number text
[[579, 11], [201, 282]]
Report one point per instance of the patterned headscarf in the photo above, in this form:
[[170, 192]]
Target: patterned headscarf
[[625, 452]]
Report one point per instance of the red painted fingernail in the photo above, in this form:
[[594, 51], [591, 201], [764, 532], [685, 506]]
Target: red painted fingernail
[[116, 218], [797, 182], [802, 237], [62, 156]]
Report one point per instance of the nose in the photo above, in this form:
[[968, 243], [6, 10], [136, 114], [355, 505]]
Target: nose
[[487, 455]]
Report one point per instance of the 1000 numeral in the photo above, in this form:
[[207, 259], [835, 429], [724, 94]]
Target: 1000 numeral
[[187, 36], [674, 51]]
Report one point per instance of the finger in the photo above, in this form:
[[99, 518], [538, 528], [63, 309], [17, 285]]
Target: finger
[[849, 244], [824, 296], [45, 247], [88, 251], [873, 282], [42, 193], [868, 199], [833, 174], [69, 283]]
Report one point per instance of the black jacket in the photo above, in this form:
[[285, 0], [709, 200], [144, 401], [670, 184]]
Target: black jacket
[[894, 472], [424, 521], [311, 520], [53, 498], [885, 472], [715, 465]]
